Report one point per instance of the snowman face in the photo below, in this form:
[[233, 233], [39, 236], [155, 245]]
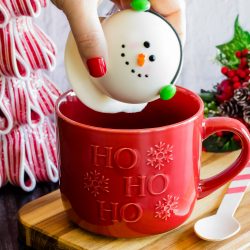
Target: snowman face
[[144, 55], [139, 62]]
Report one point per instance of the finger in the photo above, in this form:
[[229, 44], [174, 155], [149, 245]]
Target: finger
[[122, 4], [88, 33], [174, 12]]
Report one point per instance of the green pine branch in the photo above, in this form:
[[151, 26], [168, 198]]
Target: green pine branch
[[240, 41]]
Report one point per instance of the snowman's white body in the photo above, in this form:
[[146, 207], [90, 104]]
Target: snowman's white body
[[144, 55]]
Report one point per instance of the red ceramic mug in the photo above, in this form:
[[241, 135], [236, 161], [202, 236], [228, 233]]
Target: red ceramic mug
[[130, 175]]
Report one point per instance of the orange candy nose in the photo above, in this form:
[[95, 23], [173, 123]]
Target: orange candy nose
[[140, 60]]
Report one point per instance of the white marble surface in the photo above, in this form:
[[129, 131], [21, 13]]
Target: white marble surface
[[209, 23]]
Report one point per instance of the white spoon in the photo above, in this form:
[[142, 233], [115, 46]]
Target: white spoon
[[223, 225]]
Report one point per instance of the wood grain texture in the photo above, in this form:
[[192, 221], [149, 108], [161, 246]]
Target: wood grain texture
[[44, 224]]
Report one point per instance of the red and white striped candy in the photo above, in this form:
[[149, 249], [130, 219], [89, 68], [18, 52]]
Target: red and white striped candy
[[49, 132], [41, 151], [26, 101], [38, 48], [16, 8], [24, 109], [14, 160], [24, 47], [3, 176], [6, 117], [4, 15], [29, 155], [12, 62], [45, 91]]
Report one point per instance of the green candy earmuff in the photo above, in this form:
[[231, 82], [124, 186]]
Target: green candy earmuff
[[168, 92], [140, 5]]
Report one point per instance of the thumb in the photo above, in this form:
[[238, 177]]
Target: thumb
[[86, 28]]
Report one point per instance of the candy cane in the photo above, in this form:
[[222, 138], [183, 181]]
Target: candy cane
[[4, 15], [38, 49], [45, 91], [12, 62], [15, 8], [6, 116], [40, 154], [24, 108], [49, 131], [50, 85], [44, 3], [17, 169]]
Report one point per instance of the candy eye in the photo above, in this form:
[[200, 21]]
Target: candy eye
[[146, 44], [152, 58]]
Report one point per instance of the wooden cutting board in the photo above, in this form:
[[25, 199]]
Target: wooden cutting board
[[44, 224]]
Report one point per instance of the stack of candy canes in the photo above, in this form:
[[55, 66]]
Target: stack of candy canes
[[27, 97]]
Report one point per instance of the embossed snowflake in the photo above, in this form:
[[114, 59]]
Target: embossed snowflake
[[159, 155], [166, 207], [95, 183]]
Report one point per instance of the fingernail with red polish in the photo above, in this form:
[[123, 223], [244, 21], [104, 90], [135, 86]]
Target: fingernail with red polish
[[97, 67]]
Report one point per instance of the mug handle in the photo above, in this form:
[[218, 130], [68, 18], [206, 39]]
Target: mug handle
[[217, 124]]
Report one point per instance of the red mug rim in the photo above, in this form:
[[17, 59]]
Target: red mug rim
[[129, 131]]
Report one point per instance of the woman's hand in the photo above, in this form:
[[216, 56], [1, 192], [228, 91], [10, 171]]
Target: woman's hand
[[86, 28], [171, 10]]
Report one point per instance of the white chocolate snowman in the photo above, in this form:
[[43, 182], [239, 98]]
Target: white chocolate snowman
[[144, 60]]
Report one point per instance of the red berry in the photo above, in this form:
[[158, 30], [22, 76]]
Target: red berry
[[247, 78], [244, 52], [238, 54], [237, 85], [231, 73], [243, 61], [235, 79], [219, 134], [224, 70], [236, 138], [241, 73]]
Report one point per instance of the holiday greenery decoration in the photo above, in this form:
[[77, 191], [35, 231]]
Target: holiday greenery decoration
[[231, 97], [27, 97]]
